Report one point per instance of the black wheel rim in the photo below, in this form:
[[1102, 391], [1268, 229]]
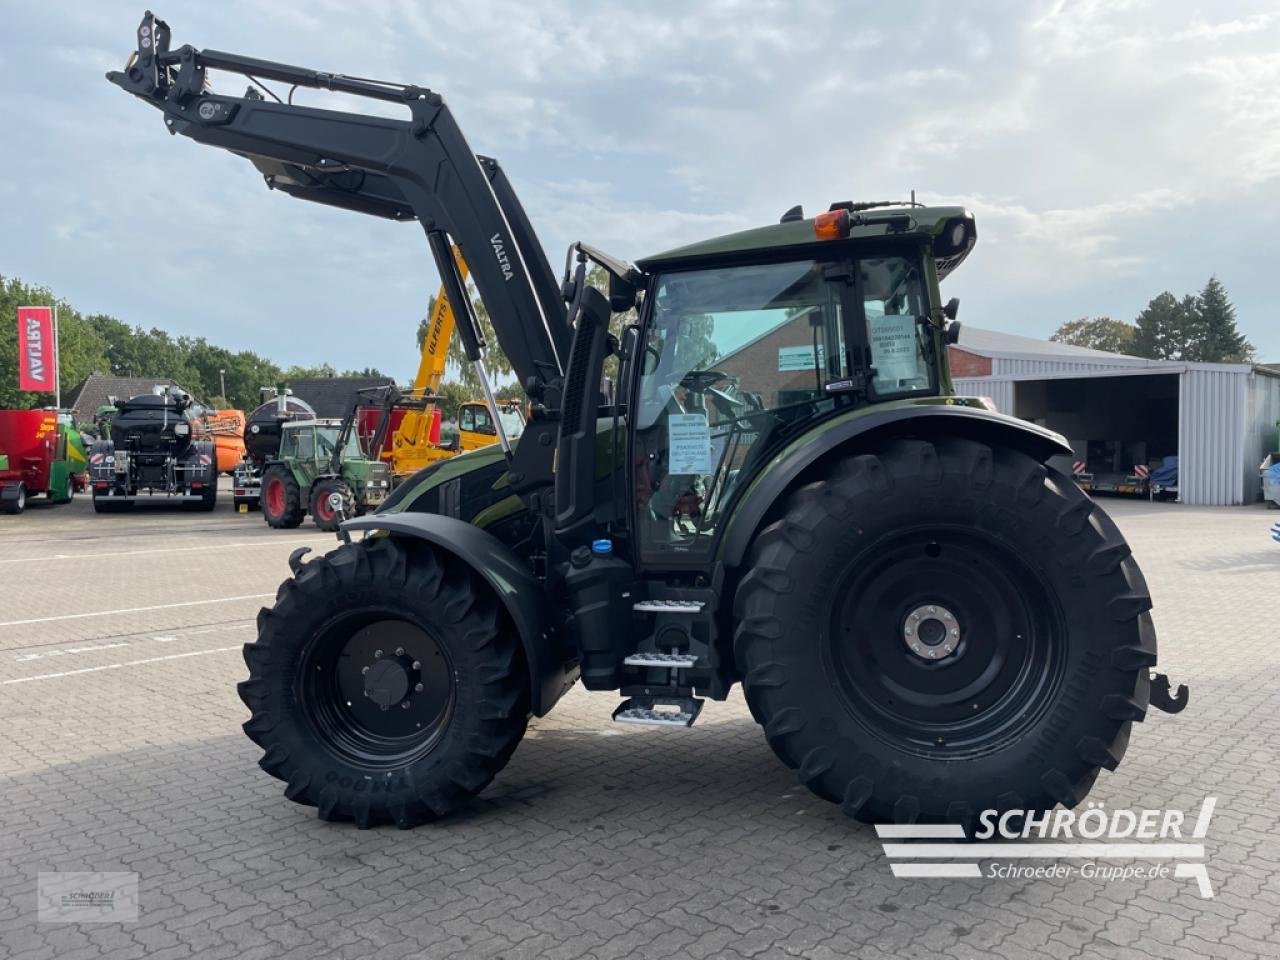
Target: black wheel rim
[[1009, 645], [378, 690]]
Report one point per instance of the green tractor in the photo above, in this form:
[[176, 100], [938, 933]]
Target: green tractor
[[321, 470], [782, 491]]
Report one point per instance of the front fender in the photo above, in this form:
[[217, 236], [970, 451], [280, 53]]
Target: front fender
[[855, 432], [521, 594]]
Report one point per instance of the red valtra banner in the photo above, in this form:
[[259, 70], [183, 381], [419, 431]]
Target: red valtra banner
[[37, 355]]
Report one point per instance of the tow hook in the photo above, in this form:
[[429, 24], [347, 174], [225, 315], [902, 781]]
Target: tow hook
[[1161, 699], [295, 559]]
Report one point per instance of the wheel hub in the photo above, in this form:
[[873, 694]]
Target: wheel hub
[[386, 683], [931, 632], [379, 689]]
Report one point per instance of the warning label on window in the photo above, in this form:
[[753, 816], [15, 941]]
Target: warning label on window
[[893, 347], [689, 440]]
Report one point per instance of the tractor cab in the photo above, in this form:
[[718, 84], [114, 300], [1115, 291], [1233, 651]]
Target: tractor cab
[[477, 426], [315, 441], [746, 341]]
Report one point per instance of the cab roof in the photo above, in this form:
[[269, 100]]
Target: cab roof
[[898, 221]]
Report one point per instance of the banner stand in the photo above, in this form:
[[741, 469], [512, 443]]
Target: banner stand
[[57, 364]]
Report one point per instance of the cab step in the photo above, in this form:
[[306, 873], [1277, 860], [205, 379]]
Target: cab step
[[671, 661], [676, 712], [668, 606]]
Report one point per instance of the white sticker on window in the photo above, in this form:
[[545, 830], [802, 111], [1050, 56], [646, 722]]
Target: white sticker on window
[[689, 444], [798, 358], [893, 347]]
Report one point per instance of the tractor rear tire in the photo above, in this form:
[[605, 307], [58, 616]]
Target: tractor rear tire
[[386, 685], [940, 628], [281, 499], [325, 517]]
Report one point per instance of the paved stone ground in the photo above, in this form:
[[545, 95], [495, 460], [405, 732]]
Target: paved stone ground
[[121, 750]]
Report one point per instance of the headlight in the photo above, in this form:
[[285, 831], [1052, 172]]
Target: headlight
[[181, 429]]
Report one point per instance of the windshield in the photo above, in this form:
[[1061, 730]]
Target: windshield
[[327, 440], [512, 422]]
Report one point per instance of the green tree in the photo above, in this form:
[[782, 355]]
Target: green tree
[[1222, 341], [1166, 329], [1097, 333], [103, 343], [1198, 327], [451, 394], [323, 370], [458, 366]]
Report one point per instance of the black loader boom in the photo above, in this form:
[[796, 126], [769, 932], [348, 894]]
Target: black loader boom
[[416, 169]]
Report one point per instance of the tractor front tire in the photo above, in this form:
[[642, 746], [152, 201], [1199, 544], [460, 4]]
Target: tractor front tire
[[325, 517], [940, 628], [281, 499], [386, 685]]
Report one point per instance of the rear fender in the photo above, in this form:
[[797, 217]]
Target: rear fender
[[521, 594], [856, 434]]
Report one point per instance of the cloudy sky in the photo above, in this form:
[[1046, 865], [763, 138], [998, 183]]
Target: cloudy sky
[[1110, 149]]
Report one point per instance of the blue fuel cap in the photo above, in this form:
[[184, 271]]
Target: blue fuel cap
[[602, 548]]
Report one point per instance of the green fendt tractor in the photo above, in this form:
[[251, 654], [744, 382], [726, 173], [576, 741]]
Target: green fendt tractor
[[321, 470], [782, 492]]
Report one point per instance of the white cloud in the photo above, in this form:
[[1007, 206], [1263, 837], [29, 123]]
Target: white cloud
[[1077, 131]]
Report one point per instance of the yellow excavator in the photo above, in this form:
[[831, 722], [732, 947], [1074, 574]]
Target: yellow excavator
[[415, 443]]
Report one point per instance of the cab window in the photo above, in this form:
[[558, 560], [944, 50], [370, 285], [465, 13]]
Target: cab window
[[895, 305]]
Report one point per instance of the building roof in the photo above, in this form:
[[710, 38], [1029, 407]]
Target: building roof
[[95, 390], [332, 397], [996, 343], [1011, 346]]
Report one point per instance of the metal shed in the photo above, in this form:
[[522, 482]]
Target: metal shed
[[1226, 413]]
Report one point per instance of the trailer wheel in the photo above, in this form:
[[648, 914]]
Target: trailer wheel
[[281, 499], [942, 628], [325, 517], [386, 684], [18, 503], [68, 493], [209, 493]]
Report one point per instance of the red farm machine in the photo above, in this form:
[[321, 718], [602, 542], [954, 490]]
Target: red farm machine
[[38, 454]]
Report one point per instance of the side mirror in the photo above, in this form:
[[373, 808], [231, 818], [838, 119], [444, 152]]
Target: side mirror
[[952, 333], [627, 344], [622, 294], [952, 308]]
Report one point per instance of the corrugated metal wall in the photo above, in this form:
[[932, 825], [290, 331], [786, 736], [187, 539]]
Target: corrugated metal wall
[[1001, 391], [1212, 425]]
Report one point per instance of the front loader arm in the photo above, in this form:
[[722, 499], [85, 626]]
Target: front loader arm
[[421, 168]]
